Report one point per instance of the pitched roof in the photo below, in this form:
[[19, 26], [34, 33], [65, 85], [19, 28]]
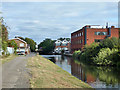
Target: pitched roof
[[19, 39]]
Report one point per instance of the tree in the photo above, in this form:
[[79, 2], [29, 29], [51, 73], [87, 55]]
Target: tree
[[32, 44], [12, 43], [68, 39], [4, 47], [47, 46], [4, 35], [109, 43]]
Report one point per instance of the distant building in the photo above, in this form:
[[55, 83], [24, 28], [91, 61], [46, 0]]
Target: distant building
[[91, 33], [22, 45], [62, 45]]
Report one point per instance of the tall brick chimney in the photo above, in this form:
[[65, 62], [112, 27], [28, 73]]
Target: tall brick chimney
[[112, 26]]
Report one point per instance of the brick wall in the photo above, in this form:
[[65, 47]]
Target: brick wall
[[90, 36]]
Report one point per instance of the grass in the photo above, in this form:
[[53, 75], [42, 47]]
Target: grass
[[7, 58], [45, 74]]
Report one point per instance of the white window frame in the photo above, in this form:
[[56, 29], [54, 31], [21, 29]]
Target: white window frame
[[21, 44]]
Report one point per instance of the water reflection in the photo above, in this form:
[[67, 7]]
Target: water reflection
[[97, 77]]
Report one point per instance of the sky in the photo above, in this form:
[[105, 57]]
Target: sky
[[40, 20]]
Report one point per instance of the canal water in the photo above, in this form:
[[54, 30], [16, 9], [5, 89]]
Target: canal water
[[97, 77]]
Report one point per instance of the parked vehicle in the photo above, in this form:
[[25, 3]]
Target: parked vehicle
[[21, 53]]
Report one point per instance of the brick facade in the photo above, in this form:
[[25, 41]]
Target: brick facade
[[89, 34]]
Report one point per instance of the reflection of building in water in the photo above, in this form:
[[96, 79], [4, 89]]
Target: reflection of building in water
[[58, 57], [77, 71], [68, 60]]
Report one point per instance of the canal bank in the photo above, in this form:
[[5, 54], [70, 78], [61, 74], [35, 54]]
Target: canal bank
[[45, 74], [97, 77]]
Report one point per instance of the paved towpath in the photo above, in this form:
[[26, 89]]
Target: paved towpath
[[15, 74]]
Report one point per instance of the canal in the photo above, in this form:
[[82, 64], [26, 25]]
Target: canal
[[97, 77]]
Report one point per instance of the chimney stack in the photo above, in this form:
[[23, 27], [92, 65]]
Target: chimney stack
[[112, 26], [107, 25]]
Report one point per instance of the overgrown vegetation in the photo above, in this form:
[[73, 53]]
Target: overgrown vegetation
[[104, 53], [4, 37]]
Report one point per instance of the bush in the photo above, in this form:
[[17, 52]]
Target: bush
[[109, 43], [12, 43], [106, 52], [106, 56], [90, 51], [76, 54]]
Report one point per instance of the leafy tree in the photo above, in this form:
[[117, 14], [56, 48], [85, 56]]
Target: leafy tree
[[68, 39], [61, 39], [12, 43], [106, 56], [4, 35], [109, 43], [32, 44], [4, 47], [89, 52], [106, 52], [47, 46]]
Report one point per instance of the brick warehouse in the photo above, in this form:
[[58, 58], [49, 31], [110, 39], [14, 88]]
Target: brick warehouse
[[91, 33]]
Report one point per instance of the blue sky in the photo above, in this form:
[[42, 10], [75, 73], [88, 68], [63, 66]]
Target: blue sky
[[40, 20]]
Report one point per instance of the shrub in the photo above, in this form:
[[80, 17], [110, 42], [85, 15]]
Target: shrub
[[106, 56], [90, 51], [76, 54], [110, 43]]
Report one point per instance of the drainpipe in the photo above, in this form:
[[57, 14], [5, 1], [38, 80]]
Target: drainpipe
[[85, 35], [109, 31]]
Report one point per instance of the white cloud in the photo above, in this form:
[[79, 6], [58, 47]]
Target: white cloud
[[41, 20]]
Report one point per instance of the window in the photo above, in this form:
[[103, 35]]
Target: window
[[76, 35], [100, 33], [82, 33], [21, 44]]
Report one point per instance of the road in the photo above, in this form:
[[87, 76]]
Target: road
[[15, 74]]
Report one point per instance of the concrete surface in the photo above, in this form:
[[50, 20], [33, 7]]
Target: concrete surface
[[15, 74]]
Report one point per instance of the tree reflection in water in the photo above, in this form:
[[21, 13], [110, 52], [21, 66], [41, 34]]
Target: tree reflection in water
[[109, 75], [97, 77]]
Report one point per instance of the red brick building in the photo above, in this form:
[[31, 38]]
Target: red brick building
[[91, 33]]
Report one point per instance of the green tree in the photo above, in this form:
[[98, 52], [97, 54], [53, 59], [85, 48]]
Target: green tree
[[32, 44], [109, 43], [4, 47], [47, 46], [106, 56], [13, 44], [4, 36]]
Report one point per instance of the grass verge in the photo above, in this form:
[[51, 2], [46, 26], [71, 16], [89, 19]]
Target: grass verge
[[45, 74], [7, 58]]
